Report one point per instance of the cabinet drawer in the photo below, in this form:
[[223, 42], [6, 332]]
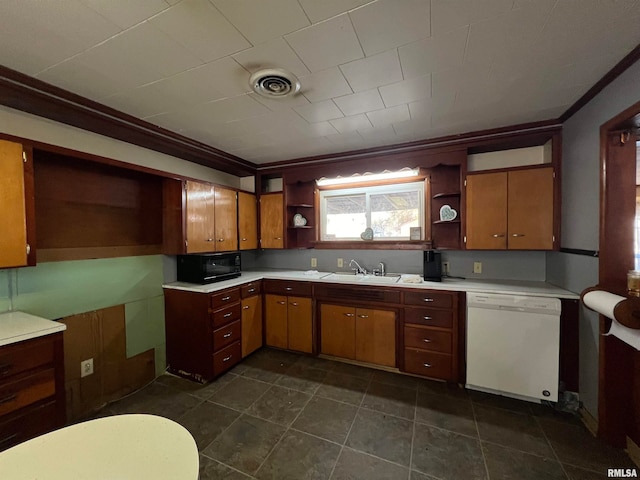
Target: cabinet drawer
[[427, 339], [226, 335], [27, 390], [24, 356], [225, 315], [428, 317], [285, 287], [28, 424], [225, 297], [429, 364], [250, 289], [429, 298], [226, 358]]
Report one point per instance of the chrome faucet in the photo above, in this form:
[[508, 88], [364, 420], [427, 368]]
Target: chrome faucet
[[381, 269], [359, 270]]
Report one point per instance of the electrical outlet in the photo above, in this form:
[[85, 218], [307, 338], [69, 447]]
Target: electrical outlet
[[314, 262], [477, 267], [445, 268], [340, 263], [86, 367]]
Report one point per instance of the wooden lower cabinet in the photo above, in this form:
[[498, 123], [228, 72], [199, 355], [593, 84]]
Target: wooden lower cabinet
[[363, 334], [32, 395], [251, 324], [289, 322]]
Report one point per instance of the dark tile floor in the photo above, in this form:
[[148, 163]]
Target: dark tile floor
[[283, 416]]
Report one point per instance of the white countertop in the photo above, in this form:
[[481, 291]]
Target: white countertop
[[123, 447], [507, 287], [19, 326]]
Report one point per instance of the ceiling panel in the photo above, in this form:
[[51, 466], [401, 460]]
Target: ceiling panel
[[373, 72]]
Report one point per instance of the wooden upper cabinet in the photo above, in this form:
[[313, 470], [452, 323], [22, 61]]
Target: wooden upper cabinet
[[271, 220], [247, 221], [226, 219], [530, 210], [511, 210], [200, 217], [14, 248], [487, 211]]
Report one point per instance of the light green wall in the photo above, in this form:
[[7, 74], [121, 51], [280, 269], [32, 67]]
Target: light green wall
[[58, 289]]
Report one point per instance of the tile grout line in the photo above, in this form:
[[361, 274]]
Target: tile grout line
[[484, 457], [413, 434], [364, 394], [555, 454]]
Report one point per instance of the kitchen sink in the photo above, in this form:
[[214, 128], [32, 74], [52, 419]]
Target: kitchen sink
[[371, 279]]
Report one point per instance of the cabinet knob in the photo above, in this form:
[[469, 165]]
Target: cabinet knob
[[221, 239], [226, 335], [251, 290], [278, 238], [517, 234], [288, 289], [282, 302], [243, 239], [426, 340], [209, 239], [246, 307], [428, 318], [349, 314], [227, 315], [28, 249], [428, 299], [363, 316], [498, 235], [428, 365]]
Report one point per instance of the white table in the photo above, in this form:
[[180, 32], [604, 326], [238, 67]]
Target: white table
[[121, 447]]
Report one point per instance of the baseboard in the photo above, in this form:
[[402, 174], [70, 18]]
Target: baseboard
[[589, 421], [634, 451]]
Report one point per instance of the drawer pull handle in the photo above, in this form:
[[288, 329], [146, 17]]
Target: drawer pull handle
[[5, 368], [428, 365], [363, 316], [226, 335], [282, 302], [428, 318], [226, 315], [246, 307], [209, 239], [8, 398], [498, 235], [426, 340], [224, 299], [428, 300], [294, 304], [349, 314], [226, 359], [251, 290], [221, 239], [288, 289]]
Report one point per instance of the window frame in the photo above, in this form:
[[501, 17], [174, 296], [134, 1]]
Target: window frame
[[405, 185]]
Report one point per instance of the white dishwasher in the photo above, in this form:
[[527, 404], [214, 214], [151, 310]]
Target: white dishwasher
[[513, 345]]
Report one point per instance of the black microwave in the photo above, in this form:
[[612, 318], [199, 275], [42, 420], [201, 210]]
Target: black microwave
[[208, 267]]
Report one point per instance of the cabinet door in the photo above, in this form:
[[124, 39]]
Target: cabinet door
[[13, 239], [200, 217], [247, 221], [487, 211], [226, 220], [275, 321], [271, 223], [530, 217], [251, 324], [338, 331], [376, 336], [300, 324]]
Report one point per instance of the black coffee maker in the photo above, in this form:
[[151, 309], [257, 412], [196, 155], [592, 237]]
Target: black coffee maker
[[432, 266]]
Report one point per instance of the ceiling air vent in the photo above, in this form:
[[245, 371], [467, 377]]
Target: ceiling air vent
[[274, 83]]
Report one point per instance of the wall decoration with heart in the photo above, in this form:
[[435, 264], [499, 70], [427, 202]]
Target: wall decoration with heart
[[367, 234], [447, 213]]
